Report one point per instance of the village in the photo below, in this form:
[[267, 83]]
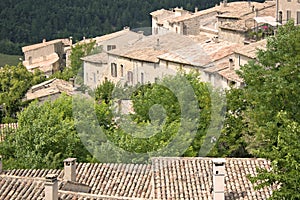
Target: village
[[215, 43]]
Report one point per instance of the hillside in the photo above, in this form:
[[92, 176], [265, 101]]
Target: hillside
[[29, 21]]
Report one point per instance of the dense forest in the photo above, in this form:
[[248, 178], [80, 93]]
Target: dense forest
[[29, 21]]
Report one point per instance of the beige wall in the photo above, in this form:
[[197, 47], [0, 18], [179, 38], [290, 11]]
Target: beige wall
[[240, 60], [94, 73], [231, 35], [293, 6]]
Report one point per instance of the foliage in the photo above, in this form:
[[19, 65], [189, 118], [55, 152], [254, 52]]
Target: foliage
[[45, 136], [104, 91], [14, 83], [75, 70], [285, 161], [264, 116], [164, 114]]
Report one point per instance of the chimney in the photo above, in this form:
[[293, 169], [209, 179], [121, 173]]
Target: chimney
[[44, 40], [196, 9], [231, 64], [178, 11], [1, 165], [219, 178], [51, 187], [70, 169], [256, 12], [224, 3], [71, 40]]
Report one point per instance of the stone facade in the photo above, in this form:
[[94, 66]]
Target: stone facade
[[49, 56], [288, 9]]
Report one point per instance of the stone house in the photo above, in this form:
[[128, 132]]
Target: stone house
[[224, 73], [48, 56], [49, 90], [228, 21], [96, 66], [156, 56], [163, 178], [288, 9]]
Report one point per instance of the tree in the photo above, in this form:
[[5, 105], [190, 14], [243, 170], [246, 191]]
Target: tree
[[14, 83], [75, 70], [45, 137], [267, 111]]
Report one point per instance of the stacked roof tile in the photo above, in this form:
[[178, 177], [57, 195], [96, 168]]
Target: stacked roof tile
[[165, 178]]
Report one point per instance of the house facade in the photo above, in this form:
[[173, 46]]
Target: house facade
[[48, 56], [288, 9]]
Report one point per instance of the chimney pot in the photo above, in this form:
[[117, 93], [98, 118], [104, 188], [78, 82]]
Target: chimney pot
[[219, 178], [51, 187], [196, 9], [70, 169], [44, 40]]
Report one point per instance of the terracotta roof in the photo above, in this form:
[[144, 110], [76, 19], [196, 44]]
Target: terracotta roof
[[43, 44], [110, 180], [109, 36], [149, 48], [231, 75], [101, 58], [251, 49], [246, 20], [48, 88], [166, 178], [217, 67], [201, 54], [162, 12], [191, 178]]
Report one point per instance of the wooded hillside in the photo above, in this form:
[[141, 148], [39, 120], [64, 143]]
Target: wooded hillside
[[29, 21]]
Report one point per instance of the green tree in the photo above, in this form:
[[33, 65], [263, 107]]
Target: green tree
[[45, 136], [267, 111], [76, 70], [14, 83]]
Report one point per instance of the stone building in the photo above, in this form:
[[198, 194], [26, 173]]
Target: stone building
[[228, 21], [49, 90], [96, 66], [48, 56], [157, 56], [288, 9]]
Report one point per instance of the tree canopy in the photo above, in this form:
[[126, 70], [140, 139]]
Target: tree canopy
[[263, 117], [44, 138], [14, 83]]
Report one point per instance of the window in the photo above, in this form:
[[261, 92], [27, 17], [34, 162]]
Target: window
[[289, 0], [288, 15], [122, 70], [86, 77], [30, 60], [113, 70], [110, 47], [298, 17], [94, 76], [130, 77], [142, 78], [280, 17]]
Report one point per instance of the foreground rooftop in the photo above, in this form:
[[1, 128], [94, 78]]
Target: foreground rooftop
[[164, 178]]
